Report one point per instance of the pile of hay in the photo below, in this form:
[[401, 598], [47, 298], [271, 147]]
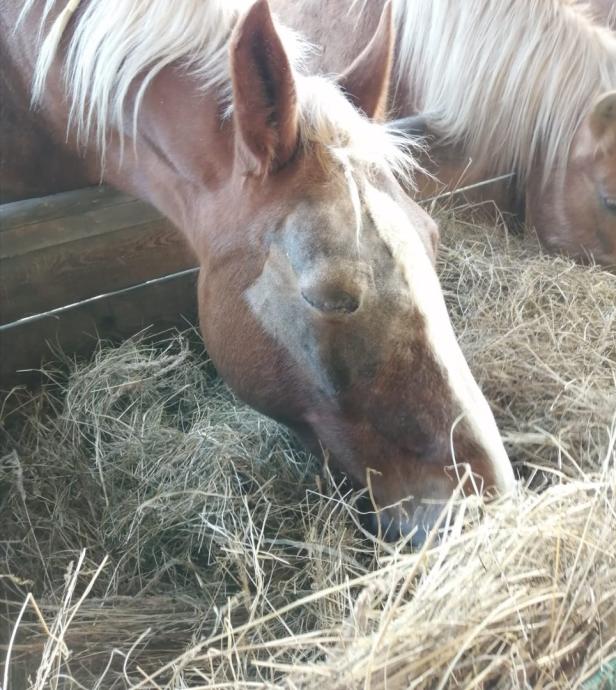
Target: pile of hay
[[157, 534]]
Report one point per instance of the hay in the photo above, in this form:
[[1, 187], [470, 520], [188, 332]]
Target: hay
[[172, 538]]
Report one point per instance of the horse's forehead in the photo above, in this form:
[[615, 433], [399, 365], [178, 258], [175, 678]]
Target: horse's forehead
[[322, 239], [329, 226]]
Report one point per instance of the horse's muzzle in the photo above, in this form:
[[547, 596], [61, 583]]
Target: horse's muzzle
[[414, 523]]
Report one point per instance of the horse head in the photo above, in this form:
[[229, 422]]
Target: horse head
[[320, 304], [575, 210]]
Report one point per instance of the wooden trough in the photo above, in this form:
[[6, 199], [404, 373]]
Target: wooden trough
[[83, 265]]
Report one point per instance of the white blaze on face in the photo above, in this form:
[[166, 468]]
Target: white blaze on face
[[426, 295]]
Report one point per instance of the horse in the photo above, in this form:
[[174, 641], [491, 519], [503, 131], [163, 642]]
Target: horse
[[500, 90], [319, 303]]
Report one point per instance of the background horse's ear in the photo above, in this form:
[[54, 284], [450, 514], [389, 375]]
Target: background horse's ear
[[264, 94], [603, 115], [366, 81]]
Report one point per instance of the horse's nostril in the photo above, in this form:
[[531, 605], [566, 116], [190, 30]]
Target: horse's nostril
[[330, 299]]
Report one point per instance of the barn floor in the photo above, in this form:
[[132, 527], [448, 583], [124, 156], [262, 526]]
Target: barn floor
[[157, 534]]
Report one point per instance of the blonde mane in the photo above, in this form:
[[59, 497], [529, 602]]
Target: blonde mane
[[509, 80], [117, 48]]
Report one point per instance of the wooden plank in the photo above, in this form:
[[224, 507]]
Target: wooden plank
[[161, 305], [86, 221], [32, 211], [73, 246], [49, 278]]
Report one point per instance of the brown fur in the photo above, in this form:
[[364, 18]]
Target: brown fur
[[33, 158], [362, 78]]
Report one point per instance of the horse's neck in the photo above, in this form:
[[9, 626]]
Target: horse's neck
[[36, 160], [181, 154], [184, 153]]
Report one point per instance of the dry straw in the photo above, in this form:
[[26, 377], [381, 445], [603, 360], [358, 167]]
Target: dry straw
[[156, 534]]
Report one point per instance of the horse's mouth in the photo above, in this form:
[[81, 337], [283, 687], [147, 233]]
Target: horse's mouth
[[411, 522]]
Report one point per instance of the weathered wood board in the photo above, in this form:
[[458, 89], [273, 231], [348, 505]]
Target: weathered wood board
[[157, 306], [123, 266], [62, 249]]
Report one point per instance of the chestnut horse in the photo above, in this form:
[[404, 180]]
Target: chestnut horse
[[499, 87], [319, 302]]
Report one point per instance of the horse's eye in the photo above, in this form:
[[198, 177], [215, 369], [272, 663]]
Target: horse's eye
[[609, 202]]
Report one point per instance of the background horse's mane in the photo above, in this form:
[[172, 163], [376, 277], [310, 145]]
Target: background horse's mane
[[511, 81], [116, 42]]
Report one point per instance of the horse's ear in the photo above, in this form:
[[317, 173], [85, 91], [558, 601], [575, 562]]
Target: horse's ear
[[603, 115], [264, 93], [366, 82]]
